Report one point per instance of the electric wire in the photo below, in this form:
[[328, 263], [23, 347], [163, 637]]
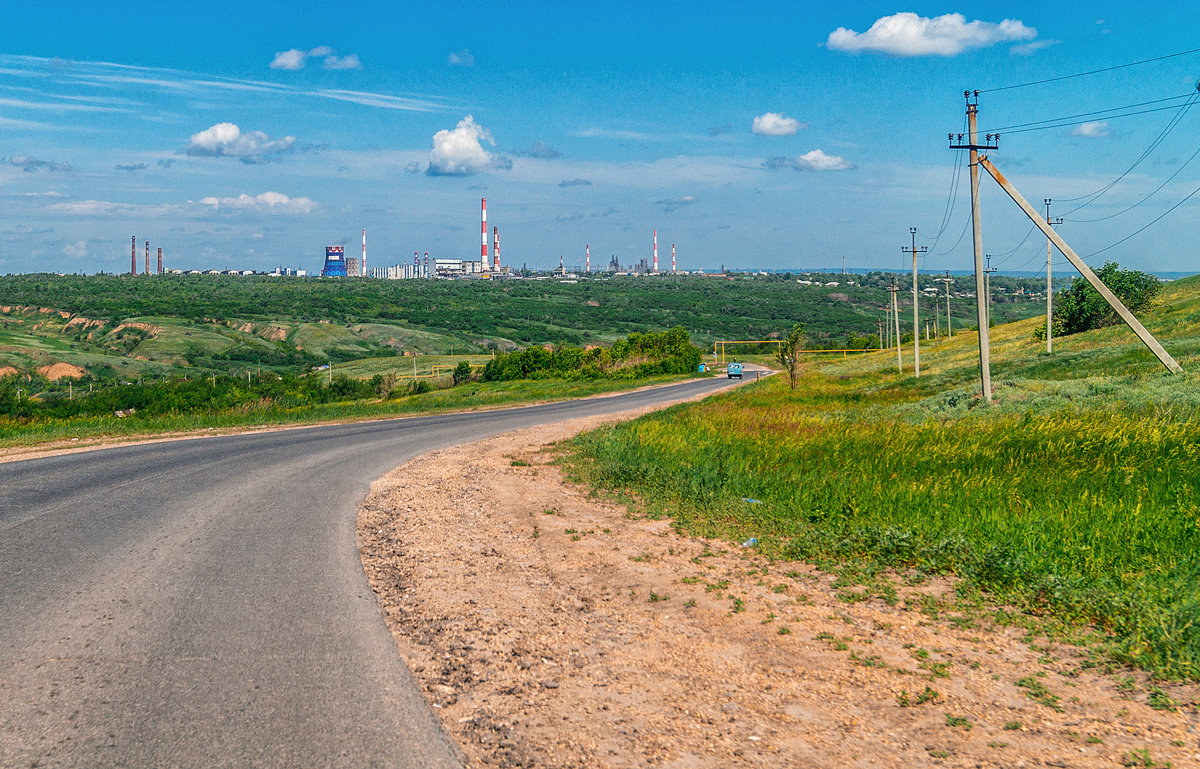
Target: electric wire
[[951, 198], [1147, 197], [1092, 72], [1146, 226], [1096, 113], [1083, 122], [1093, 196]]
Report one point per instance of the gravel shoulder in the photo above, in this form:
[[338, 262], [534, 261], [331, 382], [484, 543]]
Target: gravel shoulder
[[553, 629]]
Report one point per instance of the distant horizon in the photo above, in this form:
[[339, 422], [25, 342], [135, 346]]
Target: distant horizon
[[785, 133]]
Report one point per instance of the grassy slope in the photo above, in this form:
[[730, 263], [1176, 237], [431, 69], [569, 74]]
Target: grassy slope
[[1076, 495], [470, 396]]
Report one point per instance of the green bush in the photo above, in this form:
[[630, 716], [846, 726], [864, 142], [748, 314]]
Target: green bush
[[1081, 308]]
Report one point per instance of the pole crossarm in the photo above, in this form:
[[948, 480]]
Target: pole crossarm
[[1147, 338]]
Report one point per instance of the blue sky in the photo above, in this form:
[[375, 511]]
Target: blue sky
[[765, 134]]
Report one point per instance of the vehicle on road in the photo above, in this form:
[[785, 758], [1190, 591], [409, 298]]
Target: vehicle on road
[[734, 370]]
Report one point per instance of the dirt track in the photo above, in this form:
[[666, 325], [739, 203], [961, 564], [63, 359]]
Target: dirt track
[[554, 630]]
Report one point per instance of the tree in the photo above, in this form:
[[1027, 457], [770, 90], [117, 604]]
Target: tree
[[462, 372], [790, 353], [1081, 308]]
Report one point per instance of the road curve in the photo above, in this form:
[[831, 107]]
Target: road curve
[[201, 603]]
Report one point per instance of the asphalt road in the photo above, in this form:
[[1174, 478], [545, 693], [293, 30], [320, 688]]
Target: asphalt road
[[201, 603]]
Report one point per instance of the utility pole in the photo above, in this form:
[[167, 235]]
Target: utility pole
[[916, 323], [987, 287], [973, 145], [894, 289], [1049, 284], [879, 323], [948, 280]]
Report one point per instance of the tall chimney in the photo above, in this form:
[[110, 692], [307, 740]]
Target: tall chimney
[[427, 264], [655, 251], [495, 249], [587, 250], [147, 257], [363, 268], [483, 234], [672, 257], [160, 260], [133, 255]]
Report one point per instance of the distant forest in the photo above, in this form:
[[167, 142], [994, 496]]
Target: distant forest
[[593, 309]]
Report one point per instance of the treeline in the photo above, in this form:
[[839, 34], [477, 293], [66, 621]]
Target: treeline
[[638, 355], [188, 396], [525, 311]]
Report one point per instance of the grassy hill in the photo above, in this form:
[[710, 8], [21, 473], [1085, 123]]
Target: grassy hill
[[1076, 496]]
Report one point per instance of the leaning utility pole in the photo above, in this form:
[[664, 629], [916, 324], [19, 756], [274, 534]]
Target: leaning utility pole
[[985, 351], [1049, 284], [894, 289], [1134, 324], [916, 323]]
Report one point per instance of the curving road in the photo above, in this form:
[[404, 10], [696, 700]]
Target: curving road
[[201, 603]]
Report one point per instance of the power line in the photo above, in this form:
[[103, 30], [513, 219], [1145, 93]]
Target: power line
[[1153, 221], [1092, 72], [1070, 123], [1152, 194], [1175, 121], [1095, 113]]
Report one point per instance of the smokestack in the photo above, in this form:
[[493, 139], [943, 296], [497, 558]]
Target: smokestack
[[427, 264], [561, 269], [672, 257], [587, 250], [363, 268], [160, 260], [416, 263], [147, 257], [133, 255], [483, 234], [495, 249], [655, 251]]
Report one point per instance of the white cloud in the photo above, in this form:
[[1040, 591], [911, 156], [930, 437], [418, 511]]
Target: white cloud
[[462, 58], [815, 160], [295, 58], [227, 140], [460, 152], [343, 62], [775, 124], [676, 203], [1028, 49], [907, 34], [292, 59], [267, 202], [274, 203], [76, 250], [1092, 130], [31, 165]]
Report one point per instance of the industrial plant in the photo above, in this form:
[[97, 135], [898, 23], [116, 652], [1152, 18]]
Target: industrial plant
[[338, 265]]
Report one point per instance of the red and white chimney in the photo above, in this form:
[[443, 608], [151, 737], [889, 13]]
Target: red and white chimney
[[587, 250], [483, 234], [656, 251], [672, 257], [133, 255], [495, 249], [363, 267]]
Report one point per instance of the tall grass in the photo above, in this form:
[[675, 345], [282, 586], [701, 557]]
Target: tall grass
[[1078, 496]]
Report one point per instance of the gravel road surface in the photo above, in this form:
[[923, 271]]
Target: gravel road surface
[[201, 603]]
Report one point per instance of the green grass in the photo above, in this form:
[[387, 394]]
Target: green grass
[[469, 396], [1076, 495]]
